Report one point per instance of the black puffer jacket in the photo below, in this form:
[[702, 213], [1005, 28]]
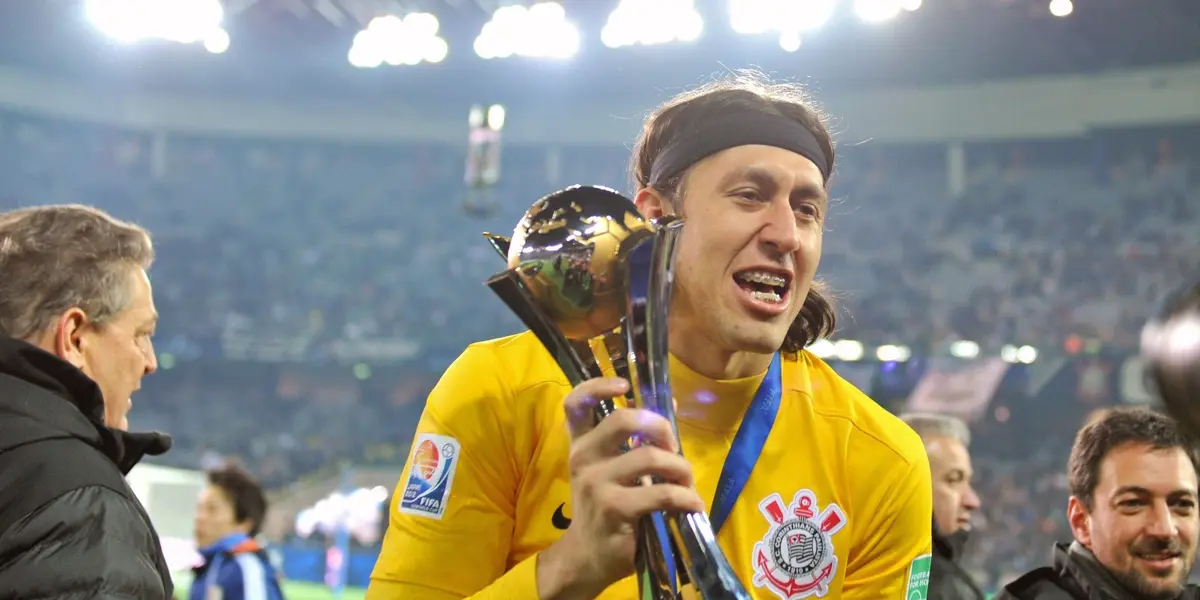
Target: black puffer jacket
[[70, 527], [1076, 575], [947, 579]]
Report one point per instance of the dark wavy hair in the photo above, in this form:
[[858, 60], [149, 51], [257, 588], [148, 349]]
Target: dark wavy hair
[[743, 92], [244, 492], [1115, 428]]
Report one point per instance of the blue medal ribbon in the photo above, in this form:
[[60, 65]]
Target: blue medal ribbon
[[748, 443]]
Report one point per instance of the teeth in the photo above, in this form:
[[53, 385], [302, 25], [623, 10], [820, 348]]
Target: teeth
[[763, 278], [771, 297]]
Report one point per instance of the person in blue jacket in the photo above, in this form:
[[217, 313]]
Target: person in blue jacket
[[229, 515]]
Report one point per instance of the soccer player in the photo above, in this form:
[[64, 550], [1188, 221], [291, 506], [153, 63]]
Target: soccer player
[[513, 492]]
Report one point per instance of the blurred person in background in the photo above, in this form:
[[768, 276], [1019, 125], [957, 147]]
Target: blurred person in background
[[76, 318], [229, 514], [542, 505], [947, 441], [1132, 511]]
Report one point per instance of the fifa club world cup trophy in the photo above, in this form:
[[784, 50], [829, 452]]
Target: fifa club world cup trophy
[[1171, 353], [585, 265]]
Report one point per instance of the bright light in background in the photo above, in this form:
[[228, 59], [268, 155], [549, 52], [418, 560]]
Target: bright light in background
[[893, 353], [218, 42], [652, 22], [848, 350], [495, 117], [787, 17], [540, 31], [1024, 354], [1061, 8], [181, 21], [873, 11], [910, 5], [395, 41], [964, 349], [789, 41], [760, 16]]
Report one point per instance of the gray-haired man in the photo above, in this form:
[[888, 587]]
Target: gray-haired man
[[76, 317], [947, 440]]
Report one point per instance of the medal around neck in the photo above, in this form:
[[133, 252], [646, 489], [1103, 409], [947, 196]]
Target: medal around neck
[[584, 264]]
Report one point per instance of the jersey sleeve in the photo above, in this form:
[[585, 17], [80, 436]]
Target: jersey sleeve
[[892, 556], [452, 514]]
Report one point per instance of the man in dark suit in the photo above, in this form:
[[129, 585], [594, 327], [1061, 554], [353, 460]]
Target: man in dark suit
[[947, 442], [76, 318]]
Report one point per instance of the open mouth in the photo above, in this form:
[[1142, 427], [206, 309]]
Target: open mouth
[[1162, 561], [765, 287]]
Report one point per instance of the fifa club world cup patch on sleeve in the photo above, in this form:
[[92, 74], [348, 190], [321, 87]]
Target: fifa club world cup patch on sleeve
[[918, 578], [796, 558], [434, 460]]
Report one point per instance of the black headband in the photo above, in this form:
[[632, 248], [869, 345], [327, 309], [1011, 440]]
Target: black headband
[[742, 129]]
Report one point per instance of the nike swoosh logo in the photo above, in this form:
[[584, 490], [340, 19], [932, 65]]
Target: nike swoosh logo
[[559, 520]]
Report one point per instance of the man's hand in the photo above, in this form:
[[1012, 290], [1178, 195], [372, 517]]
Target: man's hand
[[598, 548]]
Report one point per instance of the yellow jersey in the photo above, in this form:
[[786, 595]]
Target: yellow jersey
[[838, 505]]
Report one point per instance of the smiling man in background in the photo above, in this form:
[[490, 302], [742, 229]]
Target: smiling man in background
[[1133, 513]]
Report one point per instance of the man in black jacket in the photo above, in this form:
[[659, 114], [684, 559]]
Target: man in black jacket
[[947, 440], [1132, 511], [76, 316]]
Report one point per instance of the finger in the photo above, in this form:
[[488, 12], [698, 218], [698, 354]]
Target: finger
[[627, 505], [580, 404], [650, 461], [611, 436]]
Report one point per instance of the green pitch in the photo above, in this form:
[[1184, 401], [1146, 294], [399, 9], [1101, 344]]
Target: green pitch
[[295, 590], [292, 590]]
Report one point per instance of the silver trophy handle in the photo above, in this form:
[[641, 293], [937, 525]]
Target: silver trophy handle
[[651, 275]]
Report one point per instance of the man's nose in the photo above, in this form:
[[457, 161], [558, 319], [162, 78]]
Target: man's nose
[[151, 360], [781, 233], [970, 499], [1160, 522]]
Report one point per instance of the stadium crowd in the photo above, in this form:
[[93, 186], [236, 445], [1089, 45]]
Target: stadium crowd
[[282, 264]]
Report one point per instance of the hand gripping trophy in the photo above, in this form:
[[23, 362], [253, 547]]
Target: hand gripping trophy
[[1171, 351], [584, 264]]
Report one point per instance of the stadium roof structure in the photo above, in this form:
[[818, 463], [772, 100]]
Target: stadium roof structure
[[300, 47]]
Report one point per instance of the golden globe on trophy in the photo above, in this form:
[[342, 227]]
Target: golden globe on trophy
[[585, 265], [1171, 352]]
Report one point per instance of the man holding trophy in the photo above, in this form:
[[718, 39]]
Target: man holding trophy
[[551, 464]]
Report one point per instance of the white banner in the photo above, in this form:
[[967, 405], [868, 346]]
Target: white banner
[[961, 388]]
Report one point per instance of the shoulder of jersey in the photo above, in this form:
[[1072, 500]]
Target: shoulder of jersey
[[520, 359], [833, 396]]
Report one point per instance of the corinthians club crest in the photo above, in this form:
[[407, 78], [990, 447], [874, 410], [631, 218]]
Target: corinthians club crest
[[795, 559]]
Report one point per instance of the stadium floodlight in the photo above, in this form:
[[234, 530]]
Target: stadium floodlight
[[848, 350], [964, 349], [395, 41], [874, 11], [217, 42], [539, 31], [1061, 8], [180, 21], [893, 353], [789, 41], [652, 22], [750, 17]]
